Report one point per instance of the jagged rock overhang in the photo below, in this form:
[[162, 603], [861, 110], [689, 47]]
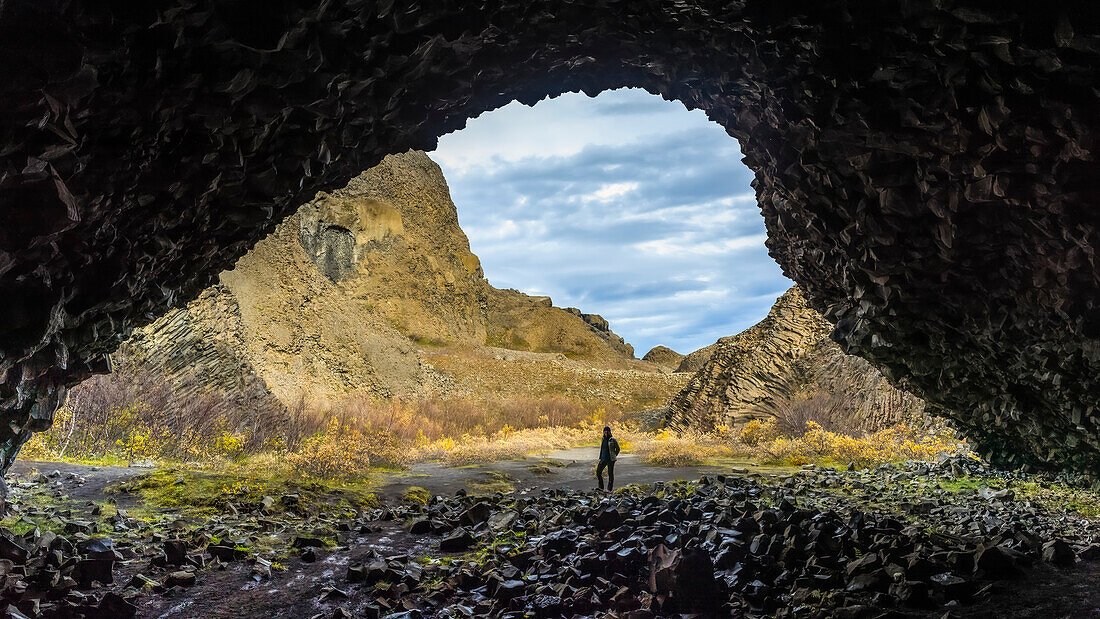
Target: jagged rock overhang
[[926, 170]]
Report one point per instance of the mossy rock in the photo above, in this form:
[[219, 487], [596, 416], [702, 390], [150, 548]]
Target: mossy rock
[[416, 495]]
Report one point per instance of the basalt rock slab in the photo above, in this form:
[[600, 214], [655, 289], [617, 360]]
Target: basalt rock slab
[[926, 170]]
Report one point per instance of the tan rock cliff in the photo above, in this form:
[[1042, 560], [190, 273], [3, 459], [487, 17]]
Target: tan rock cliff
[[786, 354], [343, 295]]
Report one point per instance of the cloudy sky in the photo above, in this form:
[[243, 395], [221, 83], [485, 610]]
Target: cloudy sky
[[624, 205]]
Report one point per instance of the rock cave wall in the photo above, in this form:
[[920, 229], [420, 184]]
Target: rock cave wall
[[926, 169]]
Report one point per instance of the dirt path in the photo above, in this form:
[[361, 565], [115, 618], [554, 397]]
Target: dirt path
[[89, 483], [572, 468]]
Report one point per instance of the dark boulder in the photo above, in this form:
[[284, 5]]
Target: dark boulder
[[686, 576], [457, 541]]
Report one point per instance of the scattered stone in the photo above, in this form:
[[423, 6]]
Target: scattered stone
[[181, 578], [998, 561], [479, 512], [114, 606], [141, 581], [12, 549], [1059, 552], [99, 570], [1091, 553], [175, 552], [607, 519], [457, 541], [225, 552], [305, 541]]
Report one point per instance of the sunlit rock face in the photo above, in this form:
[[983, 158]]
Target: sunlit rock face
[[926, 170], [784, 357]]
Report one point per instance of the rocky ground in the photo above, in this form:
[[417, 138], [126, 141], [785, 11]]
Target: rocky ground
[[531, 538]]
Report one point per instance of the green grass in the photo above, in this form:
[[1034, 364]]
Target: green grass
[[507, 543], [416, 495], [199, 493], [1049, 496], [545, 466], [492, 483], [679, 488], [108, 459], [757, 466]]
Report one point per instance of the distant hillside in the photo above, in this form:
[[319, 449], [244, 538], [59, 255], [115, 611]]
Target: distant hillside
[[351, 292], [695, 360], [789, 353], [664, 357]]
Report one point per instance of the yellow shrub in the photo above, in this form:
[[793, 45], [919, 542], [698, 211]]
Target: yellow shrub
[[143, 443], [890, 445], [674, 450], [230, 444], [37, 448], [758, 431], [337, 452], [513, 445]]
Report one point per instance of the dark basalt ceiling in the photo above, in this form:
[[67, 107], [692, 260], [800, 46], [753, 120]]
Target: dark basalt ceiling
[[927, 169]]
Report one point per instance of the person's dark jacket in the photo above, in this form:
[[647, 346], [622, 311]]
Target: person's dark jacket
[[609, 449]]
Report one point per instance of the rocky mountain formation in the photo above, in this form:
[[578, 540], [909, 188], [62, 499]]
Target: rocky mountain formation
[[373, 289], [348, 293], [664, 356], [695, 360], [789, 353]]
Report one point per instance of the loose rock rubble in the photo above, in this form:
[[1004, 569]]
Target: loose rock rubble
[[728, 545], [817, 542]]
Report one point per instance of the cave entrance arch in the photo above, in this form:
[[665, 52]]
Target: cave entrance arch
[[926, 170]]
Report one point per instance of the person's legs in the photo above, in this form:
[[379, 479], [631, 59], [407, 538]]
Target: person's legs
[[610, 476], [599, 473]]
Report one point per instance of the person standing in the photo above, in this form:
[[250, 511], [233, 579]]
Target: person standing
[[609, 451]]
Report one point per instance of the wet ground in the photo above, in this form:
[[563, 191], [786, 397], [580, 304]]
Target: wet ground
[[572, 468]]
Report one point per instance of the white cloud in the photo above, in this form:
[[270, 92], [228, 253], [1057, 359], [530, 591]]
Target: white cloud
[[506, 229], [687, 245], [611, 191], [701, 295], [576, 121], [624, 205]]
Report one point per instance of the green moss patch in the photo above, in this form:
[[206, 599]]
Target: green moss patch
[[201, 493], [491, 482], [416, 495], [545, 466]]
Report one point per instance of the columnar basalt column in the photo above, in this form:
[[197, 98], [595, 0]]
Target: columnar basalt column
[[926, 169]]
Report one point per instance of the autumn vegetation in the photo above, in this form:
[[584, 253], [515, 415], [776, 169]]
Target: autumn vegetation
[[127, 417]]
